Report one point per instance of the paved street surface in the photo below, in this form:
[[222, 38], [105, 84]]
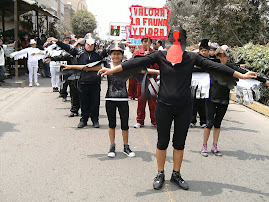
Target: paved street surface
[[44, 157]]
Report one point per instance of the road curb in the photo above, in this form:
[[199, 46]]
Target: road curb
[[256, 106]]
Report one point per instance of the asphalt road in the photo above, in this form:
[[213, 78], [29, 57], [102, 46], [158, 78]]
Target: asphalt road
[[44, 157]]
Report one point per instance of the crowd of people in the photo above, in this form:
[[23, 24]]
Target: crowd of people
[[175, 101]]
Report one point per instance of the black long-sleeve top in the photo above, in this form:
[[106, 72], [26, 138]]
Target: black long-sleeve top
[[220, 93], [84, 57], [176, 79]]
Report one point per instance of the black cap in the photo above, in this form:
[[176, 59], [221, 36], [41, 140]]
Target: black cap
[[204, 44]]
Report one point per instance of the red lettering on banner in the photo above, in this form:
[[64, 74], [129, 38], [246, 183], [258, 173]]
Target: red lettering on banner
[[150, 12], [161, 32], [141, 29], [140, 11], [137, 21], [135, 10], [165, 22], [145, 12], [150, 22], [162, 12], [157, 12], [150, 32], [156, 31], [159, 22], [154, 22], [144, 21], [134, 29]]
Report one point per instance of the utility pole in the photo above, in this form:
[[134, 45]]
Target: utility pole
[[16, 35]]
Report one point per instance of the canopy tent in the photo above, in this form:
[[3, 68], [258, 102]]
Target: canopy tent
[[11, 32], [16, 8]]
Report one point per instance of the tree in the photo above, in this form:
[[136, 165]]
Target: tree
[[83, 22], [232, 22], [184, 14]]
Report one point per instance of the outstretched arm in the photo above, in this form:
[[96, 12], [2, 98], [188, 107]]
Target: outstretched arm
[[151, 71], [82, 67], [248, 75], [78, 67], [106, 71]]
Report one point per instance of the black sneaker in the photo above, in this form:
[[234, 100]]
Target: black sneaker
[[158, 181], [128, 151], [177, 179], [96, 125], [72, 114], [82, 124], [112, 152], [64, 99], [56, 89]]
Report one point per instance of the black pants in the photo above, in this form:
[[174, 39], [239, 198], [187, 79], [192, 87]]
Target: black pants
[[123, 108], [214, 114], [198, 106], [63, 89], [165, 115], [75, 105], [89, 95]]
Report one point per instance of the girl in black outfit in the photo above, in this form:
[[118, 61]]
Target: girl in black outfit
[[217, 104], [116, 97], [174, 97]]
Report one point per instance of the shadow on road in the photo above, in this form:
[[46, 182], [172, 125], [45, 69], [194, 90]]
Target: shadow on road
[[240, 155], [206, 188], [239, 129], [145, 156], [233, 121], [7, 127]]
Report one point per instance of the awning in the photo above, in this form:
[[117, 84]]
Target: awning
[[24, 6]]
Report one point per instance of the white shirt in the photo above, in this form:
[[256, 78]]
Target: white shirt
[[160, 48], [27, 52], [2, 55]]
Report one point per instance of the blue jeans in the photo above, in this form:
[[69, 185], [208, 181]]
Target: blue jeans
[[3, 69]]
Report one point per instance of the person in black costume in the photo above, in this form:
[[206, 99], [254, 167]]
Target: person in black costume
[[174, 97], [218, 101], [199, 103], [89, 82], [64, 86]]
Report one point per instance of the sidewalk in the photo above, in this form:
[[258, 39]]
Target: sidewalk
[[22, 81]]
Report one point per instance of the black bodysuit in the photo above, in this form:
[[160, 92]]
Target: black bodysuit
[[174, 97]]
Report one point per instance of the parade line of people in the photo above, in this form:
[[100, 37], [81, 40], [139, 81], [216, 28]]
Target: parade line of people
[[82, 63]]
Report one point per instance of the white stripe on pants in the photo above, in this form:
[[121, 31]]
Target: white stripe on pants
[[32, 68], [55, 80]]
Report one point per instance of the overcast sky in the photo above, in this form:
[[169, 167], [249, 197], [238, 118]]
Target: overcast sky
[[107, 11]]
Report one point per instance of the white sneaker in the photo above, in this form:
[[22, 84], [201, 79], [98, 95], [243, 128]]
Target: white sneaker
[[30, 84], [111, 152], [138, 125], [37, 84], [128, 151]]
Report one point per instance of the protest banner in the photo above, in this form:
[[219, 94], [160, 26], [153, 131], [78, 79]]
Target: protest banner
[[149, 22]]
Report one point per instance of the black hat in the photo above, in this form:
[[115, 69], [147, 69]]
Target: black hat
[[117, 46], [67, 37], [213, 46], [204, 44]]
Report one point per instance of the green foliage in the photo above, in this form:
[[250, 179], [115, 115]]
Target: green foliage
[[26, 22], [231, 22], [53, 31], [257, 59], [83, 22]]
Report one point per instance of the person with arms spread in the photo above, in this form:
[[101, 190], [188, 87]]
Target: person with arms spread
[[174, 102]]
